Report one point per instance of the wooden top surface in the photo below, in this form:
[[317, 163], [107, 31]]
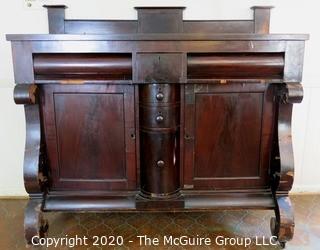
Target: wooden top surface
[[157, 36]]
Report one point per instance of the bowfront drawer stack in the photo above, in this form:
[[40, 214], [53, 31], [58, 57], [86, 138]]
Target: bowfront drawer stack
[[159, 140]]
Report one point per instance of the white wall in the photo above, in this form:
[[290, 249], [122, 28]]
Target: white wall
[[289, 16]]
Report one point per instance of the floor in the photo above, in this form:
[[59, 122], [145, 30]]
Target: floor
[[220, 223]]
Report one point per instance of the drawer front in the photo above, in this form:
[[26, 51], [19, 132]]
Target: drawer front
[[159, 171], [159, 68], [159, 140], [81, 66], [159, 93], [159, 117]]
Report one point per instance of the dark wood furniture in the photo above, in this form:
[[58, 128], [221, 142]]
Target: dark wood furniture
[[158, 114]]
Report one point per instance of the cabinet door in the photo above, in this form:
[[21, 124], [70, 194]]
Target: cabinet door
[[228, 133], [89, 136]]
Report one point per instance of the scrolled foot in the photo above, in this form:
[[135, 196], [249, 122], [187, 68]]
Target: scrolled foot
[[282, 226], [282, 244], [35, 226], [274, 226]]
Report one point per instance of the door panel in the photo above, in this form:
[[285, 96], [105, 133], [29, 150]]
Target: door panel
[[87, 131], [223, 123], [99, 142], [227, 136]]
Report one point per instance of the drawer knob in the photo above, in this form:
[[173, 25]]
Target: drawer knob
[[160, 96], [160, 163], [159, 118]]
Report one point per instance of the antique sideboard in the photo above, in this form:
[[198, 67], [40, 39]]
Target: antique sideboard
[[158, 114]]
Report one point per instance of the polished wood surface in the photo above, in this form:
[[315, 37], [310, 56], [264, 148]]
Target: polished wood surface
[[195, 36], [261, 16], [159, 140], [236, 65], [89, 133], [159, 94], [227, 118], [227, 114], [56, 16], [158, 114], [159, 68], [159, 167], [78, 66]]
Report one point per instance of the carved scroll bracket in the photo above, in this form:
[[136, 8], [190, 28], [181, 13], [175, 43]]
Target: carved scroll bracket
[[288, 94], [292, 93], [25, 94], [34, 160], [282, 225]]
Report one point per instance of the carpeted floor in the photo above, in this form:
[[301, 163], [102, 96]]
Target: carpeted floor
[[224, 224]]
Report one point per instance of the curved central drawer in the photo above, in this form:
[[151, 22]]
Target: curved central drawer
[[159, 112], [156, 94], [159, 117], [159, 164]]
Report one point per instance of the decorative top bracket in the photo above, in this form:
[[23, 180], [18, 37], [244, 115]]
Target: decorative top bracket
[[158, 20], [261, 16], [56, 17]]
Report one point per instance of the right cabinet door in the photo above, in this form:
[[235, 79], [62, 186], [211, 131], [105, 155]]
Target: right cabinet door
[[227, 136]]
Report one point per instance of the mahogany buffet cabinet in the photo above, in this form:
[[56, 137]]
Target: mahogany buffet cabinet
[[158, 114]]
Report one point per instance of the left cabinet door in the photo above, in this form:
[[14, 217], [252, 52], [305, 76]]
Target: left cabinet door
[[89, 134]]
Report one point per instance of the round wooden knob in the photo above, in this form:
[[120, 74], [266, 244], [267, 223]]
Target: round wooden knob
[[160, 96], [160, 163], [159, 118]]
